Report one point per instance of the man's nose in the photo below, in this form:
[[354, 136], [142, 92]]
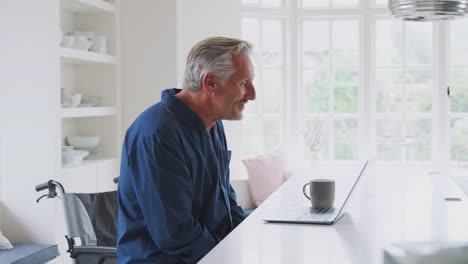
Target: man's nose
[[251, 94]]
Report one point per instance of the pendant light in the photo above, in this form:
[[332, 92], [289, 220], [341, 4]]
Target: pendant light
[[428, 10]]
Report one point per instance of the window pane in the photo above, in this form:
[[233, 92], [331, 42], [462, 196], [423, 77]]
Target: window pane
[[315, 43], [272, 39], [381, 2], [252, 132], [418, 140], [345, 3], [272, 90], [251, 32], [459, 42], [315, 3], [388, 85], [272, 131], [418, 43], [346, 91], [389, 139], [250, 2], [459, 89], [388, 42], [345, 42], [315, 90], [459, 139], [272, 3], [346, 139], [419, 90]]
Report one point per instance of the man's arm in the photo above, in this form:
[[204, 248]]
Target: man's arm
[[237, 213], [164, 191]]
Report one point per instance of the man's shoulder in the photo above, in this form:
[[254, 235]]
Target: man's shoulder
[[154, 120]]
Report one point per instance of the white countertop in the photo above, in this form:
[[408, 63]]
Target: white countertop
[[389, 205]]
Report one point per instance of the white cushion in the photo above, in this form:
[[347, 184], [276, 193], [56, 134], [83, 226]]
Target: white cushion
[[266, 174], [4, 243]]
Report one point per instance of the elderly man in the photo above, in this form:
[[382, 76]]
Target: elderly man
[[175, 199]]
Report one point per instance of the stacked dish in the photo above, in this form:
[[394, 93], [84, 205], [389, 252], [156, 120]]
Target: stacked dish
[[70, 156], [67, 155], [88, 144]]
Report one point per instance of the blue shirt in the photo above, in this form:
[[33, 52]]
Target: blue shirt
[[174, 196]]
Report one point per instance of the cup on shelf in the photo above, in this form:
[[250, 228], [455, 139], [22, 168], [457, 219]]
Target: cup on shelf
[[91, 101], [70, 100], [100, 44], [82, 42], [67, 41]]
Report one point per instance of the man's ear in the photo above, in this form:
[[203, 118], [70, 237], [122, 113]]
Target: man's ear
[[210, 82]]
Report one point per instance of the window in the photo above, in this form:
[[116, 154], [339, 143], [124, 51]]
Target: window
[[403, 84], [458, 80], [262, 123], [374, 81], [330, 82]]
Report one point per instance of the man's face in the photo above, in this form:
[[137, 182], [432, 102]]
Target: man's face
[[238, 90]]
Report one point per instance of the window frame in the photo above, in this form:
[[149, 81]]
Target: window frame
[[367, 12]]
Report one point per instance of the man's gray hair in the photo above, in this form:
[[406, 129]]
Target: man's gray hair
[[213, 55]]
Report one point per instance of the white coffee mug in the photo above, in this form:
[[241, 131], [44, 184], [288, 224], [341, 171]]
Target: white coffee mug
[[321, 192], [67, 41], [100, 44]]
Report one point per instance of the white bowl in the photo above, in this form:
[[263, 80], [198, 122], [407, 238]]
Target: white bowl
[[75, 100], [83, 142], [70, 100], [80, 153], [82, 42], [78, 156]]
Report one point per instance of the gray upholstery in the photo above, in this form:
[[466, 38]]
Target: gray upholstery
[[78, 221], [92, 217], [28, 253]]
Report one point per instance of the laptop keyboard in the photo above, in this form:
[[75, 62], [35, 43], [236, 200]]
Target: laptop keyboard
[[322, 213]]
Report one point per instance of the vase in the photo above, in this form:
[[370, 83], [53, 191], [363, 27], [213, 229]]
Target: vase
[[314, 158]]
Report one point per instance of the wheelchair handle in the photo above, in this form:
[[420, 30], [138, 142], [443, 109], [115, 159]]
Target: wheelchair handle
[[43, 186], [51, 186]]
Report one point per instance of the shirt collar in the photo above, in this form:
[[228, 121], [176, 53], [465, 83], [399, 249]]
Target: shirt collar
[[180, 109]]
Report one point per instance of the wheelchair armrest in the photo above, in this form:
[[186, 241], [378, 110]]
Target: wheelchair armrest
[[94, 250]]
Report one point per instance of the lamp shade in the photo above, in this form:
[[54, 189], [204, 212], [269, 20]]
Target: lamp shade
[[428, 10]]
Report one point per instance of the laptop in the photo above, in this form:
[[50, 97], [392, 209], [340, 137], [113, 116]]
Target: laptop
[[310, 215]]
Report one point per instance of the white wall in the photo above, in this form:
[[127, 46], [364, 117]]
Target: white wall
[[29, 68], [148, 53], [2, 121], [200, 19]]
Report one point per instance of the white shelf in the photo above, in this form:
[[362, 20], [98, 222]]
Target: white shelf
[[87, 112], [84, 163], [75, 56], [88, 6]]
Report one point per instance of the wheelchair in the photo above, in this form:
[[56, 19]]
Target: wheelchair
[[91, 221]]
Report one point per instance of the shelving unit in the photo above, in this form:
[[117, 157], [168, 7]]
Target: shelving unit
[[74, 56], [88, 112], [91, 74], [88, 6]]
